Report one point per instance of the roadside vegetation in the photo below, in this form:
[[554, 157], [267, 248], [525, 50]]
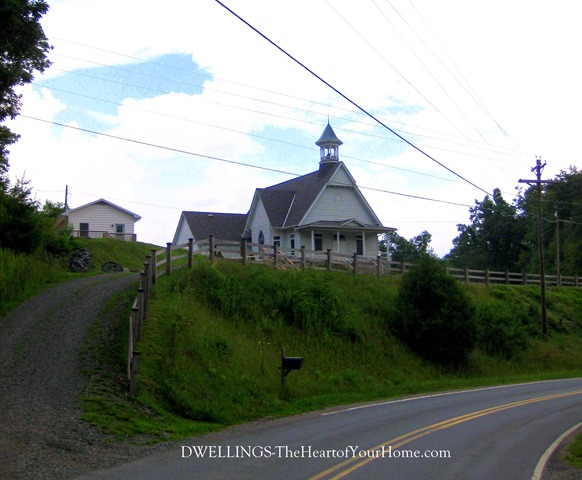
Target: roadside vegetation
[[213, 338]]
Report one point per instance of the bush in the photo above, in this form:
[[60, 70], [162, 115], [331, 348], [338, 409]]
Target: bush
[[499, 331], [435, 317]]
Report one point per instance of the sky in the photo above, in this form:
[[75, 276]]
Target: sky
[[184, 107]]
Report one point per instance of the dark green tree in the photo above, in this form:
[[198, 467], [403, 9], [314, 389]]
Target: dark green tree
[[435, 316], [23, 50], [495, 238], [561, 224], [402, 250]]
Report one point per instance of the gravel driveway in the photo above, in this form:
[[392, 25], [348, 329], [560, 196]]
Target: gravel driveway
[[41, 434]]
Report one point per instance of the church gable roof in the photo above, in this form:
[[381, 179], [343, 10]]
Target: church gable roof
[[287, 203], [224, 226]]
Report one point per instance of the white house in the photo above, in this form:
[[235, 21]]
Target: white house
[[101, 219], [321, 210]]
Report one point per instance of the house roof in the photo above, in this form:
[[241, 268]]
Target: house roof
[[104, 202], [287, 203], [224, 226]]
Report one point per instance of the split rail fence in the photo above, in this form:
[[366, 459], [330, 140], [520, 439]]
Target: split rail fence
[[164, 261]]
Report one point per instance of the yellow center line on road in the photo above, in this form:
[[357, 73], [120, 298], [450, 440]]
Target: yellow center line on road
[[373, 453]]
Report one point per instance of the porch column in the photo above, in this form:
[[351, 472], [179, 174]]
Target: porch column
[[338, 242], [312, 240], [364, 243]]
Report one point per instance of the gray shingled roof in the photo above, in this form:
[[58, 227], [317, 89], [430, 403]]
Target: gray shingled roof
[[224, 226], [287, 203], [328, 137]]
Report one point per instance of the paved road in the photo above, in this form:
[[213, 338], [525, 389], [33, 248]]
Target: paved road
[[489, 433]]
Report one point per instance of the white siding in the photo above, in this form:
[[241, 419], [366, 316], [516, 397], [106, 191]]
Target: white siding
[[341, 177], [183, 234], [337, 203], [260, 222], [101, 217]]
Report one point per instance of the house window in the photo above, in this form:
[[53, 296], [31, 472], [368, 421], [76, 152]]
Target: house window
[[261, 238], [83, 229], [359, 244], [292, 243], [120, 228], [277, 241], [318, 242]]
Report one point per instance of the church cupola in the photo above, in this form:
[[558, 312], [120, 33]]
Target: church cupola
[[329, 145]]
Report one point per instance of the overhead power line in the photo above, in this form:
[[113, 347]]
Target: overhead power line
[[351, 101], [234, 162], [495, 149]]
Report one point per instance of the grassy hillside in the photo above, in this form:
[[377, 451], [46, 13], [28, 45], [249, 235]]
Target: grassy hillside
[[22, 276], [213, 340], [130, 255]]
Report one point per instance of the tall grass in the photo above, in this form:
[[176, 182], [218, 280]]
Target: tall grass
[[22, 276], [214, 335]]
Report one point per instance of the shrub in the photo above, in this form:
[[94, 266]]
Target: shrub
[[435, 317]]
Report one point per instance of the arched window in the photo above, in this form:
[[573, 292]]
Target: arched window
[[261, 238]]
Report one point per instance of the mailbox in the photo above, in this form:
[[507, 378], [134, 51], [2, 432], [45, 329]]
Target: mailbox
[[291, 363], [288, 364]]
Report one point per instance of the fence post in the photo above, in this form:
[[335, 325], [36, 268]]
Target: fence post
[[211, 246], [275, 255], [466, 275], [141, 302], [154, 265], [524, 278], [169, 258], [190, 252], [379, 266], [507, 277], [133, 377], [130, 346], [148, 271], [487, 276], [145, 281], [243, 251], [138, 324], [303, 257], [402, 267], [355, 263], [329, 259]]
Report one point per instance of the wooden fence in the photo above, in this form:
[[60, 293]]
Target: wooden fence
[[164, 261]]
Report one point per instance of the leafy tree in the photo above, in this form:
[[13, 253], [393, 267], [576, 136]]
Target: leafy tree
[[435, 317], [561, 223], [403, 250], [494, 239], [53, 209], [23, 49]]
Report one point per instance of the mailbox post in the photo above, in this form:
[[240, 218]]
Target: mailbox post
[[288, 364]]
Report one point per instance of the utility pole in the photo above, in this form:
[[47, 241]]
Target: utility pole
[[558, 273], [66, 197], [538, 183]]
